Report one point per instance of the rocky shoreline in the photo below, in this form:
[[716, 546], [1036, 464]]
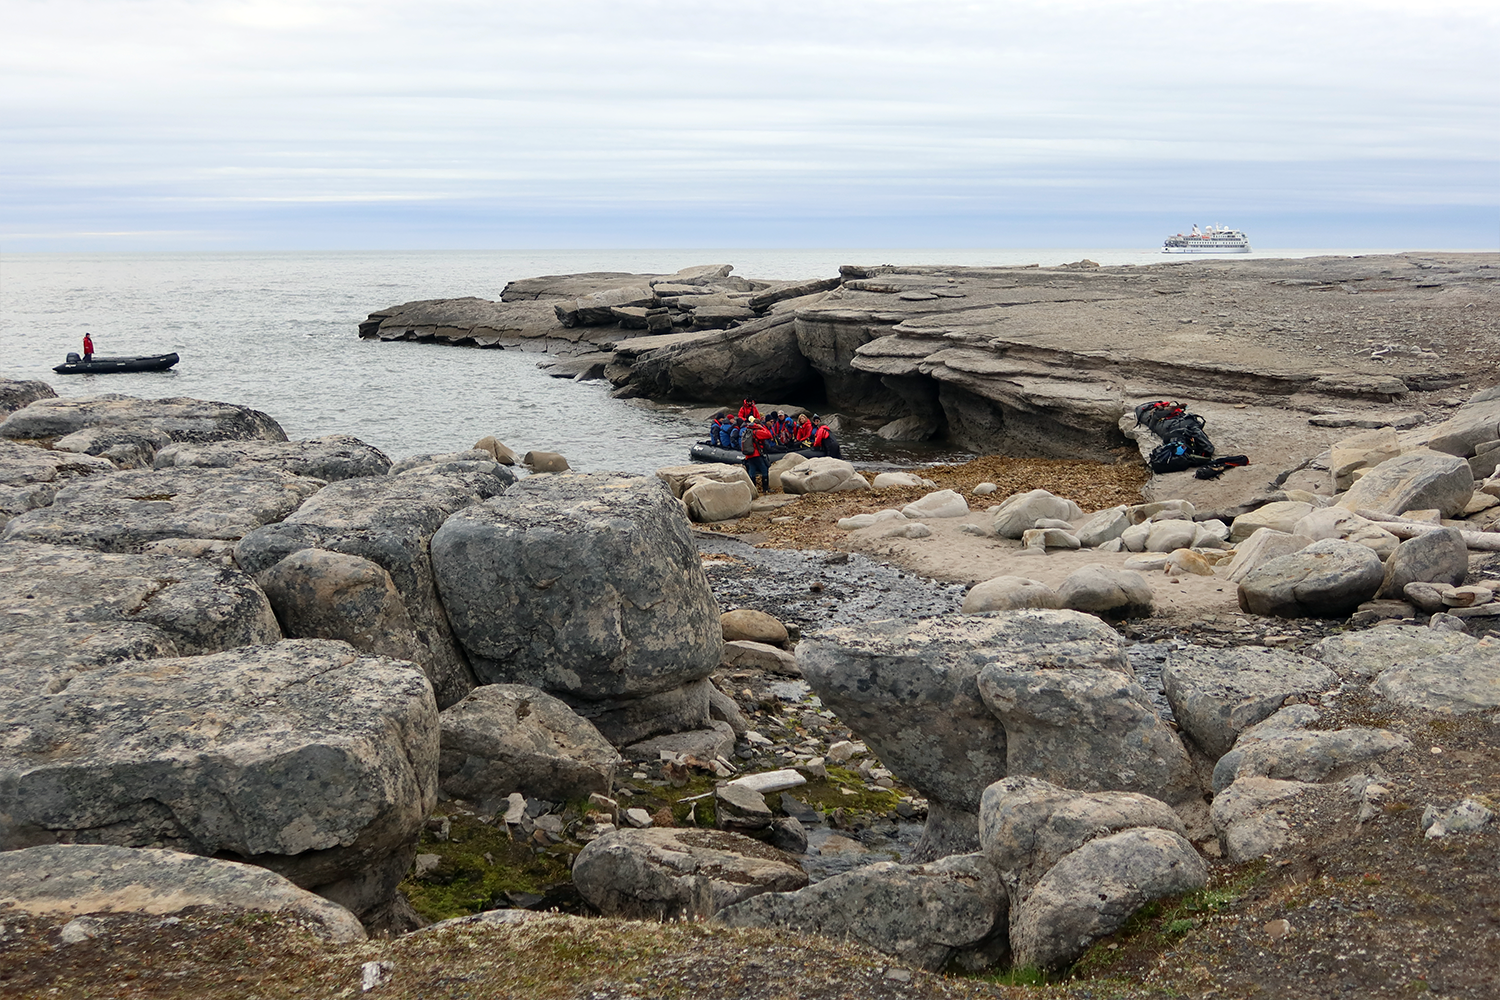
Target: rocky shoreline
[[249, 675]]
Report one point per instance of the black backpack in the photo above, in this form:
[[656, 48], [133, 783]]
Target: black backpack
[[1155, 413], [747, 441]]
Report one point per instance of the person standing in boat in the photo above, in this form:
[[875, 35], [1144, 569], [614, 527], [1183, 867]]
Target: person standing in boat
[[88, 347]]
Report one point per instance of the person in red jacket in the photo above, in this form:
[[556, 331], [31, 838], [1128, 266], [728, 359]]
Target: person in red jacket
[[802, 430], [756, 463], [88, 347], [748, 409]]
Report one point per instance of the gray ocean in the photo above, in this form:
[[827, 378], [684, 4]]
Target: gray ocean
[[278, 332]]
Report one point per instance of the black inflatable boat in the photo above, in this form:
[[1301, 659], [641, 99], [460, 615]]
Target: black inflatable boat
[[705, 452], [110, 366]]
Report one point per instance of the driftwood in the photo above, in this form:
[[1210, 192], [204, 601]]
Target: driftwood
[[1481, 541]]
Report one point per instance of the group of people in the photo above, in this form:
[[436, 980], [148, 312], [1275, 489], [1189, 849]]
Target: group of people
[[758, 438]]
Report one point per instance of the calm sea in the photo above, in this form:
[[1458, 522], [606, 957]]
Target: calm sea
[[278, 332]]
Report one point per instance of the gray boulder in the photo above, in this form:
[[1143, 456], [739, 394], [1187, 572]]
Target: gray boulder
[[137, 427], [69, 879], [1327, 579], [1461, 682], [389, 520], [708, 501], [1439, 556], [951, 911], [429, 459], [1083, 722], [1092, 891], [330, 458], [318, 594], [605, 599], [45, 657], [911, 692], [1216, 694], [659, 874], [822, 475], [1476, 421], [1019, 513], [1366, 654], [301, 756], [1259, 817], [1009, 593], [1418, 480], [1263, 545], [1107, 592], [15, 394], [1104, 526], [25, 464], [1282, 516], [137, 605], [126, 511], [1285, 747], [1027, 825], [506, 738]]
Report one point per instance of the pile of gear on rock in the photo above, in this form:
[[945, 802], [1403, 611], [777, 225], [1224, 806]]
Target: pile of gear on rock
[[1183, 443], [757, 438]]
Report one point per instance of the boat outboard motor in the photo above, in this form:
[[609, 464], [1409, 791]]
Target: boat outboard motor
[[73, 358]]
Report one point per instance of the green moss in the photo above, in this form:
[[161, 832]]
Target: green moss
[[826, 794], [465, 881]]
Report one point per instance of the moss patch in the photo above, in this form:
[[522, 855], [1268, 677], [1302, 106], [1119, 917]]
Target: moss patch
[[479, 864]]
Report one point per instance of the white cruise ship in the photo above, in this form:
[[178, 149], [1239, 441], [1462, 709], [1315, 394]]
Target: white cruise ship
[[1214, 239]]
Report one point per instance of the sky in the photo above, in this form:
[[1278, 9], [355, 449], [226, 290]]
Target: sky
[[449, 124]]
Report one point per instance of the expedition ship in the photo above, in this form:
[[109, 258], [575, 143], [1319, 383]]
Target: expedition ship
[[1214, 239]]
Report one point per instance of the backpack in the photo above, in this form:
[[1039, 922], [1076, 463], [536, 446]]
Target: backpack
[[748, 444], [1153, 414]]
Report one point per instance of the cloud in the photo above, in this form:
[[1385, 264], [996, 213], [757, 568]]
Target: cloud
[[137, 115]]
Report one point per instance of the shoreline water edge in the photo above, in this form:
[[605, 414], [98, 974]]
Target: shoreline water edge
[[1039, 714]]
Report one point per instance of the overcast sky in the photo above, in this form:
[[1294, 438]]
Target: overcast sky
[[200, 124]]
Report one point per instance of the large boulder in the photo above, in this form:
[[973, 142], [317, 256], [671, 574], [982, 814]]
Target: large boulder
[[134, 429], [1107, 592], [16, 393], [31, 476], [1092, 891], [822, 475], [126, 511], [941, 503], [1074, 715], [662, 873], [1027, 825], [1327, 579], [1286, 747], [605, 599], [1259, 817], [1337, 522], [680, 478], [1105, 526], [1440, 556], [1009, 593], [1020, 513], [331, 458], [1281, 515], [1216, 694], [318, 594], [67, 880], [951, 911], [506, 738], [1476, 421], [1263, 545], [389, 520], [1460, 682], [709, 501], [1366, 654], [87, 606], [303, 757], [752, 626], [911, 692], [1418, 480]]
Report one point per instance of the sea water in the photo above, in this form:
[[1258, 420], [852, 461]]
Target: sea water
[[279, 332]]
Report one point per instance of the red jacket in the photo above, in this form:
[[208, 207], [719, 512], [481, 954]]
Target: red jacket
[[748, 409], [762, 433], [88, 344]]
